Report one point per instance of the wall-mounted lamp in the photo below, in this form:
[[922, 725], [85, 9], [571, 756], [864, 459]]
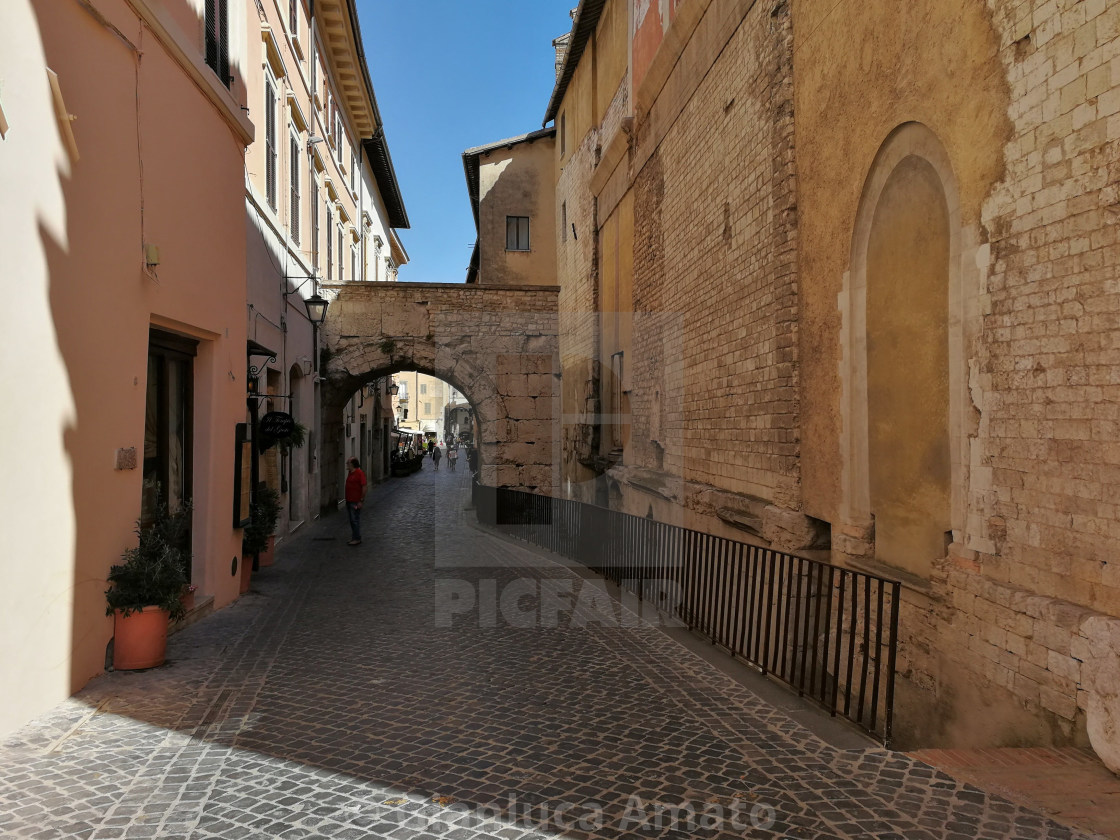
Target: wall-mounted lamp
[[394, 388], [316, 306], [316, 309], [255, 350]]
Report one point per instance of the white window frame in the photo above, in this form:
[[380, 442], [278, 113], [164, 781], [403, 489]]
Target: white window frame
[[295, 197], [341, 259]]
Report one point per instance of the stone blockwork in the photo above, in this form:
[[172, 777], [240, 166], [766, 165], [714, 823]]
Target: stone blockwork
[[749, 381], [497, 345], [1005, 640], [1038, 584], [1044, 509]]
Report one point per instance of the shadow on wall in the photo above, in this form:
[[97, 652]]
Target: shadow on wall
[[94, 166], [36, 605]]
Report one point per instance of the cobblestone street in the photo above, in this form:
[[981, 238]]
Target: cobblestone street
[[421, 685]]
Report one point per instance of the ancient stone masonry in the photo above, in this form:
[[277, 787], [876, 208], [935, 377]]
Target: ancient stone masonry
[[1043, 516], [1011, 111], [579, 325], [718, 250], [872, 288], [497, 345]]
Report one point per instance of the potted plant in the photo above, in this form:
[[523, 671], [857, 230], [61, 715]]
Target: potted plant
[[264, 513], [295, 440], [188, 597], [146, 590]]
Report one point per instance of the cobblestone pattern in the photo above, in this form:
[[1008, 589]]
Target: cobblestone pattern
[[334, 702]]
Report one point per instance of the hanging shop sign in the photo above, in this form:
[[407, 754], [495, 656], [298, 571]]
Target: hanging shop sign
[[277, 424]]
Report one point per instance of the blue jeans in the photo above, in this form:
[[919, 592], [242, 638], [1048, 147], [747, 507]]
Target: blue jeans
[[355, 513]]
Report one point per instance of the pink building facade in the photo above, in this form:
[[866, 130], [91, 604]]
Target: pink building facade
[[122, 173]]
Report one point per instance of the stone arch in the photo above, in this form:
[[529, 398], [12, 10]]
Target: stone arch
[[908, 230], [497, 346]]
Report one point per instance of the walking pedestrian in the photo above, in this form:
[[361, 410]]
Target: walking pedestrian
[[355, 495], [436, 455], [452, 456]]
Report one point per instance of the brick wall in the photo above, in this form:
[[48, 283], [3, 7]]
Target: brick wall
[[723, 258], [1049, 357], [1043, 519], [577, 275]]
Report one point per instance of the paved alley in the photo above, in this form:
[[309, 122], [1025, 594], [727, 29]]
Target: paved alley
[[441, 682]]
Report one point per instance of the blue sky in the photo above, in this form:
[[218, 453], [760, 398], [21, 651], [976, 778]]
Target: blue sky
[[450, 75]]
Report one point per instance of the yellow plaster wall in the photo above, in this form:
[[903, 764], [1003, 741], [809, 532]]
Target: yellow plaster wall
[[908, 368], [860, 71], [518, 182], [610, 54]]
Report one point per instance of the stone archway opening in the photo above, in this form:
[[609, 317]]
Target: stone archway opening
[[496, 346]]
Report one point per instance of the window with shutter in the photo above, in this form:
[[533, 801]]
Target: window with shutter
[[270, 143], [315, 223], [363, 262], [341, 259], [293, 214], [293, 17], [217, 39], [330, 246]]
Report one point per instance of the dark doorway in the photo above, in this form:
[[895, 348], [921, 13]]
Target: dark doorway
[[168, 425]]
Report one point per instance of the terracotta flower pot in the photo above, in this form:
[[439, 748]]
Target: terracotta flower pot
[[266, 557], [246, 572], [187, 598], [140, 640]]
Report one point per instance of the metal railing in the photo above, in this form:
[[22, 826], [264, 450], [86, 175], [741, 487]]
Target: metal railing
[[829, 632]]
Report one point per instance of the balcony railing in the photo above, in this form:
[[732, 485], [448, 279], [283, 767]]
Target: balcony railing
[[829, 632]]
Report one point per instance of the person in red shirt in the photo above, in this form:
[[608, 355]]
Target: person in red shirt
[[355, 495]]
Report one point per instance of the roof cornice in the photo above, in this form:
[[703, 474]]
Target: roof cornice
[[583, 27], [341, 37]]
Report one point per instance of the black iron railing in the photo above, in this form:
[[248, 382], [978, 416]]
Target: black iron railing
[[827, 631]]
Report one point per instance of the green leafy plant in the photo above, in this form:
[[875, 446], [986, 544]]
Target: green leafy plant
[[296, 439], [264, 513], [154, 572]]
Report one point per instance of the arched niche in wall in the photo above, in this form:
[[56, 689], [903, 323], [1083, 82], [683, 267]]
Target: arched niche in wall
[[904, 374]]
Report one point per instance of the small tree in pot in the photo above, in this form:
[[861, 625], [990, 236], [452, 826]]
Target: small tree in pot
[[264, 513], [145, 591]]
